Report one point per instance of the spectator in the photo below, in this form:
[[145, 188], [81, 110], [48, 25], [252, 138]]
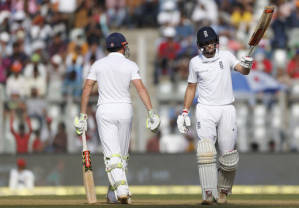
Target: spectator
[[153, 144], [93, 31], [2, 72], [205, 12], [16, 81], [21, 137], [37, 82], [57, 45], [293, 66], [21, 178], [78, 45], [56, 70], [261, 63], [36, 107], [60, 139], [169, 15], [280, 28], [4, 44], [73, 80], [116, 11], [37, 146], [167, 53], [240, 16], [18, 54]]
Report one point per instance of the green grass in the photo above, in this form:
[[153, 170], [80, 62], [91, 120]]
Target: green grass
[[150, 201]]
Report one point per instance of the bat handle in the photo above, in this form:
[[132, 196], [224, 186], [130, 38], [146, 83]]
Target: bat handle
[[84, 141], [251, 50]]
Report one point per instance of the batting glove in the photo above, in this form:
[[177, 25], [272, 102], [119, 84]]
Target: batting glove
[[184, 122], [246, 62], [80, 123], [152, 121]]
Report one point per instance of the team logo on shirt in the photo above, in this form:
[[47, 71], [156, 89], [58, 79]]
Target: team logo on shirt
[[221, 65]]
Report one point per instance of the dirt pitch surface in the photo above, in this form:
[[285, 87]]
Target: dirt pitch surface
[[163, 201]]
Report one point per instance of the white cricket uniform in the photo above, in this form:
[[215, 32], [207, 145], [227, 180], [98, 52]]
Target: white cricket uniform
[[215, 113], [114, 114]]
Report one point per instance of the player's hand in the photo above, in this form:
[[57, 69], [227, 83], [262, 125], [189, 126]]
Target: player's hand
[[80, 123], [246, 62], [184, 122], [152, 121]]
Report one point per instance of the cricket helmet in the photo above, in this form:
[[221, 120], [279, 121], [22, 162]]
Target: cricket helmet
[[206, 35], [115, 40]]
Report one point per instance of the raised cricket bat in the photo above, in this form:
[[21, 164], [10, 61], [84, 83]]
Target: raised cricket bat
[[260, 28], [87, 173]]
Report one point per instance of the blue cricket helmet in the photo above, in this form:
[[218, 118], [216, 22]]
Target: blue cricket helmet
[[115, 40], [206, 35]]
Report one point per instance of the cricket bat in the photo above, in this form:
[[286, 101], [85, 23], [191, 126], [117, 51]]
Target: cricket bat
[[260, 28], [87, 173]]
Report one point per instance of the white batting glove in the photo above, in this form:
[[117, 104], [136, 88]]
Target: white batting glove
[[80, 123], [184, 122], [246, 62], [152, 121]]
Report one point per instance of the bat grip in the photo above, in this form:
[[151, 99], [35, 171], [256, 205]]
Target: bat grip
[[251, 50], [84, 141]]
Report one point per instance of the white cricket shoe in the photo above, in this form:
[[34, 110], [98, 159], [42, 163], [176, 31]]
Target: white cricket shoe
[[222, 197], [122, 199], [210, 200]]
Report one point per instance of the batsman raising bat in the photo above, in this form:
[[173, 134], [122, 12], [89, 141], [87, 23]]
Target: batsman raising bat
[[210, 73], [114, 73]]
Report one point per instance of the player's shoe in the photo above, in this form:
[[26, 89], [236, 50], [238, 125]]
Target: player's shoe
[[210, 200], [113, 199], [222, 197]]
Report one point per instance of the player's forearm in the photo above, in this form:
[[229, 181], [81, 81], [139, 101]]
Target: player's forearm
[[145, 98], [143, 93], [85, 97], [189, 95]]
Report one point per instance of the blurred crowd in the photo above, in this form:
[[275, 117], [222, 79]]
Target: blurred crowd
[[47, 47]]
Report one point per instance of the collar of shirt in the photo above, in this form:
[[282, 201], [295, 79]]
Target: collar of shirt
[[209, 60], [116, 54]]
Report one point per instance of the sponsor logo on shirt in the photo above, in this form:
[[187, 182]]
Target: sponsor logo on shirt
[[198, 125]]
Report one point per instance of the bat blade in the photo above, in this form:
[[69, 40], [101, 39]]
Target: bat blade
[[89, 186], [87, 174], [260, 28]]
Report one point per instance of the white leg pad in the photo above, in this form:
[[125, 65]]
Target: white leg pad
[[207, 167], [227, 170], [116, 173]]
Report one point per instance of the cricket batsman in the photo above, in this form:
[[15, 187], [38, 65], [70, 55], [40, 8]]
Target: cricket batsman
[[114, 73], [210, 73]]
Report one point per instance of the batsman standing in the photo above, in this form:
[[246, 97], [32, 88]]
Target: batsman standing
[[210, 73], [114, 73]]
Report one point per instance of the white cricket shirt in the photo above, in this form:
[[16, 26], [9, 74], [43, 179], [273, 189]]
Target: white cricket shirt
[[114, 74], [213, 77]]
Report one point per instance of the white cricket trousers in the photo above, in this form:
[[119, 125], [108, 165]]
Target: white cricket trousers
[[114, 122], [217, 122]]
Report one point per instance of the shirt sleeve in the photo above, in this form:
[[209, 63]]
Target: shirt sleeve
[[92, 72], [135, 72], [192, 78], [233, 61]]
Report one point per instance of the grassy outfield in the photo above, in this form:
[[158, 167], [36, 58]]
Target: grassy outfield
[[150, 201]]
